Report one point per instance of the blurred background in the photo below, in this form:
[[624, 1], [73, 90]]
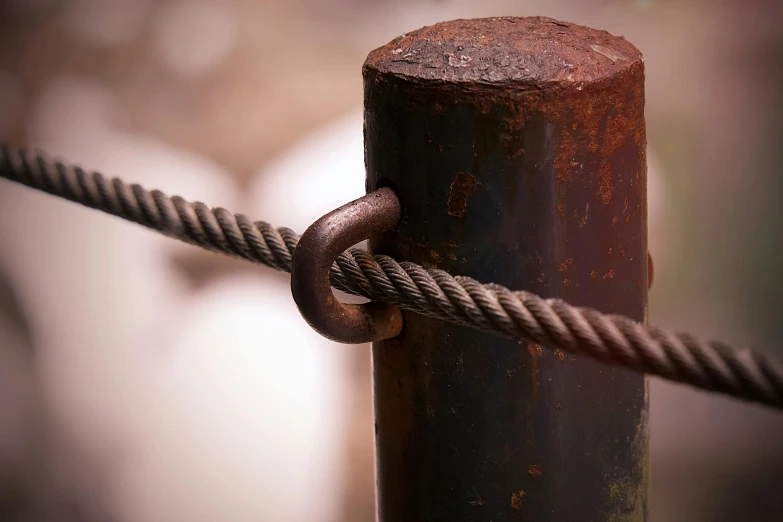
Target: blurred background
[[144, 380]]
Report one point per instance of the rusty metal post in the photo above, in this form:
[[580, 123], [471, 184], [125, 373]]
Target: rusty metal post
[[517, 148]]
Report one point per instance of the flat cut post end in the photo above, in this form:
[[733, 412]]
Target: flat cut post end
[[533, 52]]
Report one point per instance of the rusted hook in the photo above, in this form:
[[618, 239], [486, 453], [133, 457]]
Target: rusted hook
[[319, 246]]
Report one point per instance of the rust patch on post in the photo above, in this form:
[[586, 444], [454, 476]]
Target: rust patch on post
[[517, 499], [605, 183], [565, 265], [461, 189]]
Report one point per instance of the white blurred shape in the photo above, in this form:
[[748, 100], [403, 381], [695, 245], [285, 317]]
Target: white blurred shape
[[106, 22], [318, 174], [192, 36], [222, 405], [96, 288], [257, 416], [10, 102]]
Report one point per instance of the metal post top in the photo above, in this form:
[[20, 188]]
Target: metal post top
[[530, 52]]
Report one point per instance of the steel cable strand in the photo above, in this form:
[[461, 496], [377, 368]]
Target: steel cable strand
[[611, 339], [552, 322], [618, 340], [520, 315], [427, 290], [194, 223]]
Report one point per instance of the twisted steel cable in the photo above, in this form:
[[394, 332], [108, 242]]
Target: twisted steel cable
[[520, 315]]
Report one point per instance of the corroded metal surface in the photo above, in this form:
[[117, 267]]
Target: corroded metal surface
[[522, 53], [317, 249], [517, 148]]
